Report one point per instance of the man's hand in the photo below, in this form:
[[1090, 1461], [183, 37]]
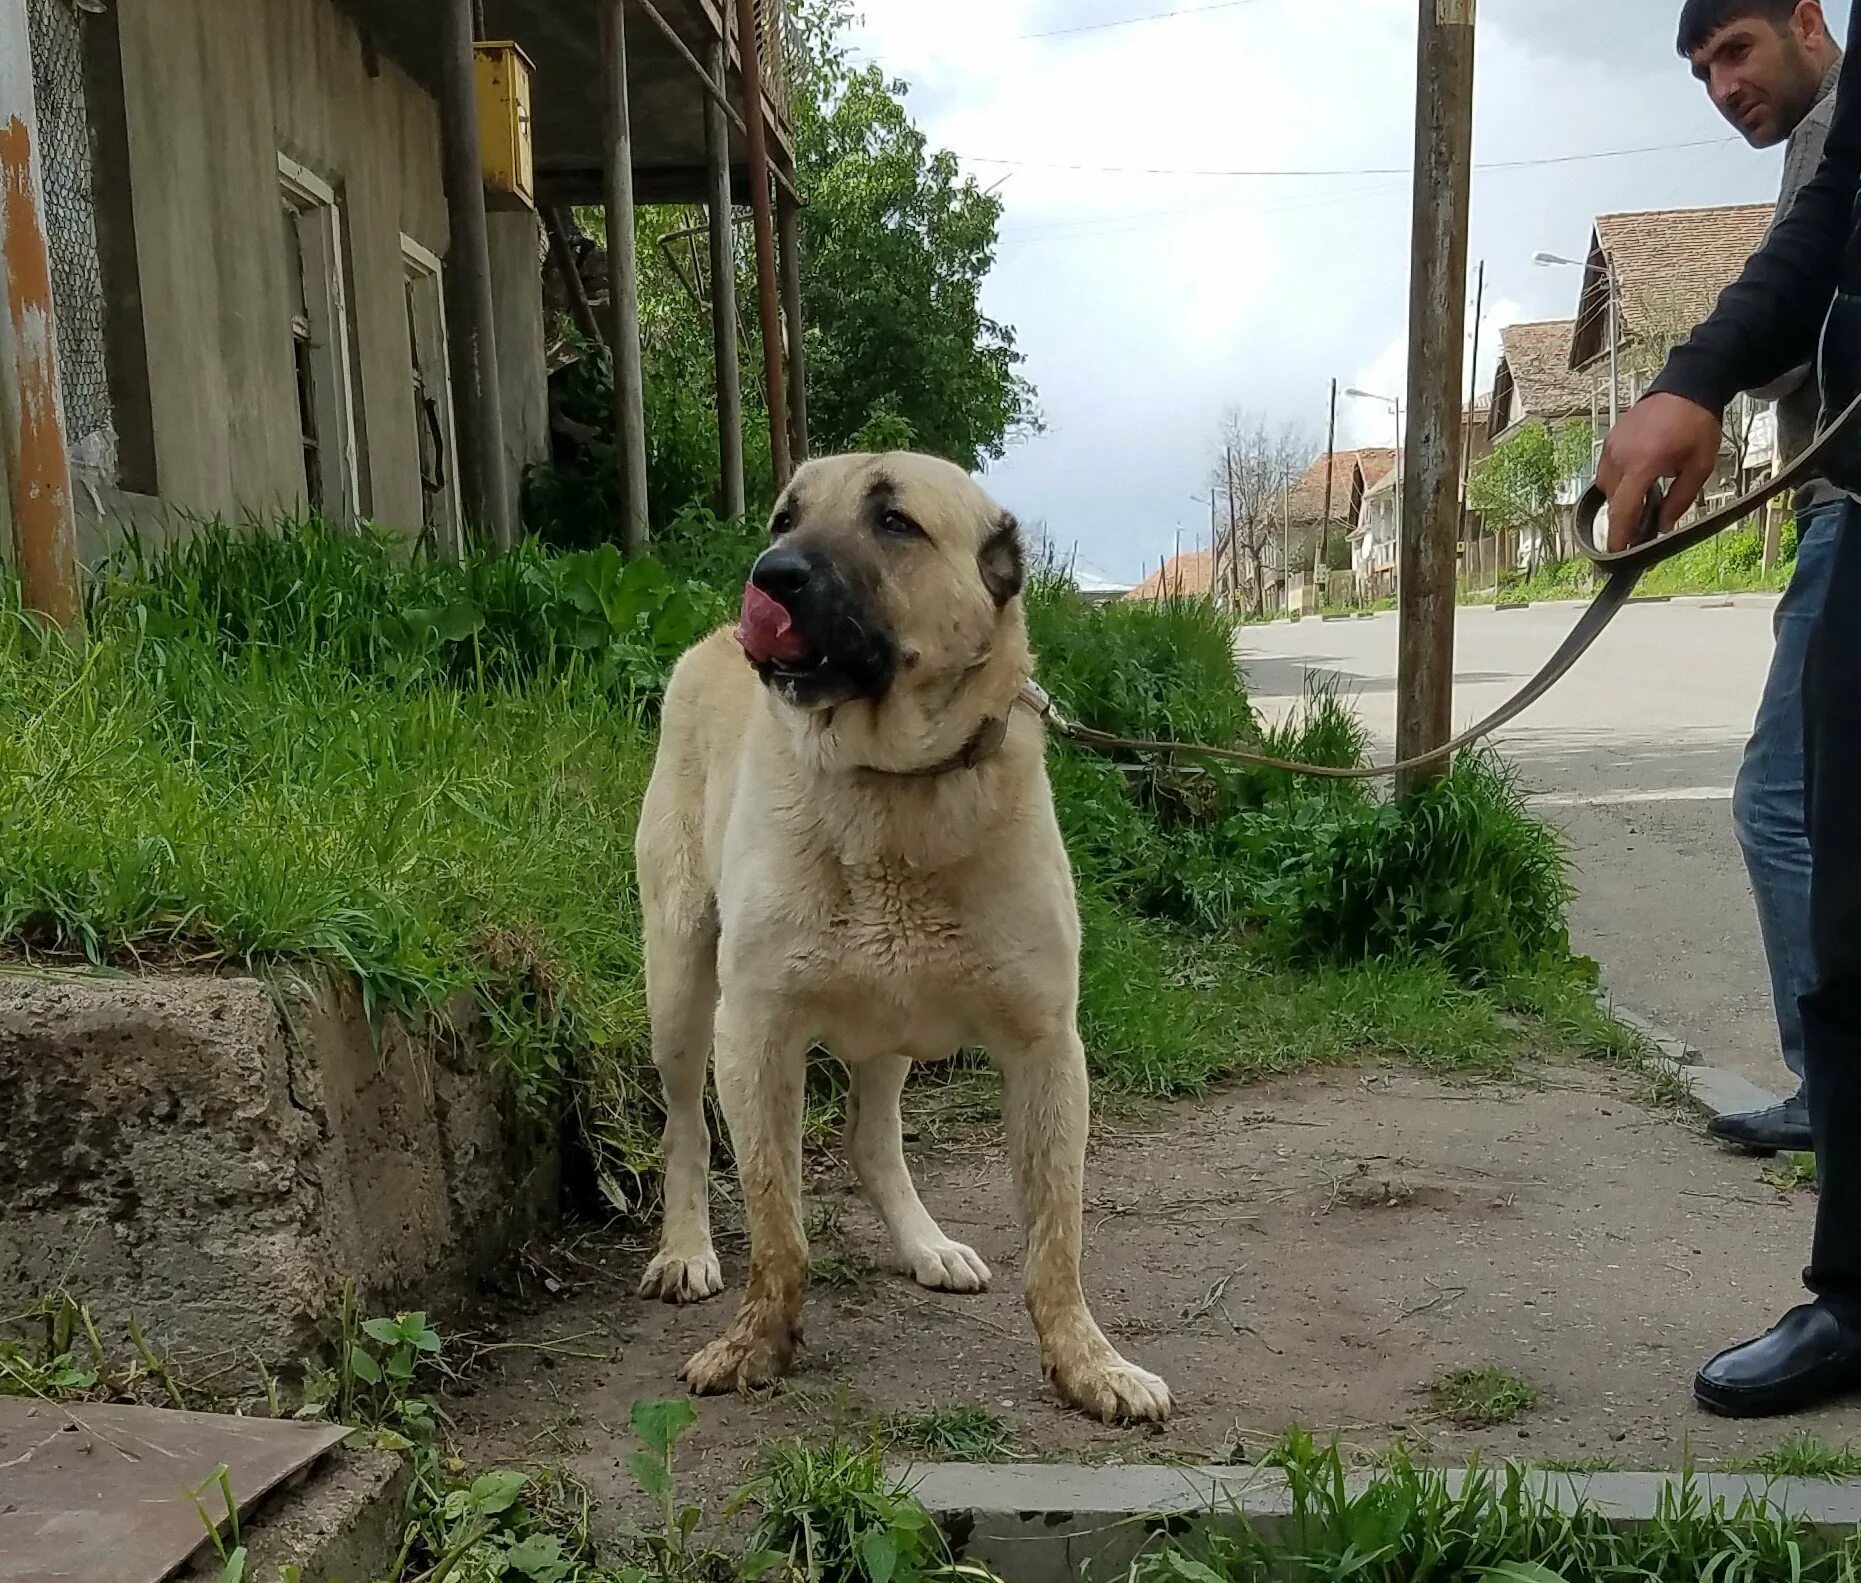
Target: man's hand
[[1659, 438]]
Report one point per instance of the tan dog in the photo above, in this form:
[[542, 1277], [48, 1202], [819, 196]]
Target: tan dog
[[850, 840]]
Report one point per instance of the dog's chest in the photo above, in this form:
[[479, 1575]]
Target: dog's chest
[[892, 918]]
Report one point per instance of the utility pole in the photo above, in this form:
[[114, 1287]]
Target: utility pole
[[1473, 400], [1437, 334], [1323, 548], [1285, 541], [1214, 538]]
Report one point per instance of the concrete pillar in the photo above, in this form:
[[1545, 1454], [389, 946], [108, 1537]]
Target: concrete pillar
[[523, 371], [624, 288], [788, 228], [34, 457], [724, 348], [470, 317]]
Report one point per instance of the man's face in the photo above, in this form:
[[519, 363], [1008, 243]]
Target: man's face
[[1763, 78]]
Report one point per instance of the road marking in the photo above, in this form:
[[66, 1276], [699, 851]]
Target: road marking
[[1621, 799]]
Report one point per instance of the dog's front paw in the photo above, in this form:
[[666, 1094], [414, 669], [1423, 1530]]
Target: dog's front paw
[[742, 1359], [674, 1278], [1112, 1390], [946, 1266]]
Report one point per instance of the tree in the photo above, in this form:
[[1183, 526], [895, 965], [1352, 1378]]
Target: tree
[[896, 245], [1256, 466], [1517, 487]]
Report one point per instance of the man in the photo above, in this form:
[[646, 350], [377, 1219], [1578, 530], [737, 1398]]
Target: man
[[1770, 67], [1800, 296]]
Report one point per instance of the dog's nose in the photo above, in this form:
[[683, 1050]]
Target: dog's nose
[[781, 573]]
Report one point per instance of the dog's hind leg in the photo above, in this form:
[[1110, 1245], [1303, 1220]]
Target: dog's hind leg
[[681, 998], [1045, 1102], [875, 1139]]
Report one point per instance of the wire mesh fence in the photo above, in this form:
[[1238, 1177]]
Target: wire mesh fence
[[56, 29]]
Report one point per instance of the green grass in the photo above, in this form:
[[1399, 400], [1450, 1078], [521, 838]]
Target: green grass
[[1406, 1523], [1483, 1398], [1801, 1457], [949, 1434], [1731, 563], [299, 748]]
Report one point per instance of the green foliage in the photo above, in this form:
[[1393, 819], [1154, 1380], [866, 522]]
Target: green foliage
[[831, 1515], [1483, 1398], [949, 1434], [1460, 874], [898, 243], [1518, 484], [1801, 1457], [1408, 1523], [900, 355]]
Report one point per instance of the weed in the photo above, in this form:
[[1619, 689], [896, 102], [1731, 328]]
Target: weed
[[1409, 1522], [1579, 1465], [1483, 1398], [840, 1272], [1801, 1457], [949, 1434], [1790, 1173], [831, 1512]]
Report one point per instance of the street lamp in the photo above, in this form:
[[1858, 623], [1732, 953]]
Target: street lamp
[[1607, 267]]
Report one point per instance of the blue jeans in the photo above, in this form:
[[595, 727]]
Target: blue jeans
[[1767, 805]]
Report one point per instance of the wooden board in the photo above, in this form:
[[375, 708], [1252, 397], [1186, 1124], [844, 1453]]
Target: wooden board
[[94, 1494]]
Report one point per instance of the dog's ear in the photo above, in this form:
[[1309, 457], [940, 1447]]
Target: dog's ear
[[1004, 560]]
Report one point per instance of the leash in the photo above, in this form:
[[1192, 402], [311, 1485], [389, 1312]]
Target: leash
[[1625, 570]]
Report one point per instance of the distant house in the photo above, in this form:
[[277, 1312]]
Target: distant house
[[262, 296], [1535, 382], [1652, 276], [1376, 540], [1190, 576]]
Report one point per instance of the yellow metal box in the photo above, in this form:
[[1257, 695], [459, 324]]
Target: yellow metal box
[[504, 125]]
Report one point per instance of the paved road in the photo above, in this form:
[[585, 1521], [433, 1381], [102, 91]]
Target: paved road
[[1633, 756]]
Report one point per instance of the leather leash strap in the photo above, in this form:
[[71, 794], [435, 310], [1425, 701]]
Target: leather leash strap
[[1625, 570]]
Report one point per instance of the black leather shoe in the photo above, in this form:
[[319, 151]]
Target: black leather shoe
[[1810, 1358], [1782, 1129]]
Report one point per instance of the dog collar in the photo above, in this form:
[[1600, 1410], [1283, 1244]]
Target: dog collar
[[984, 745]]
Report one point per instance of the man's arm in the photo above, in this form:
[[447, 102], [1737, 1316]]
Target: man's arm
[[1764, 325], [1807, 147], [1767, 322]]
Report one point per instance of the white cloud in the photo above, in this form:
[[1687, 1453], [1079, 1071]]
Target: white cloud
[[1147, 303]]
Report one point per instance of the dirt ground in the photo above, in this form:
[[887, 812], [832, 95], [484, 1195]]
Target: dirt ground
[[1314, 1251]]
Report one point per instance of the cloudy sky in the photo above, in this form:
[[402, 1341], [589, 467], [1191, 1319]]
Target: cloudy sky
[[1149, 300]]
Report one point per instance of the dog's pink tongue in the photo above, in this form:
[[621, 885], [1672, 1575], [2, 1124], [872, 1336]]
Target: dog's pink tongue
[[767, 631]]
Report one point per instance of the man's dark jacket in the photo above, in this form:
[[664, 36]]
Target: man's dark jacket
[[1803, 283]]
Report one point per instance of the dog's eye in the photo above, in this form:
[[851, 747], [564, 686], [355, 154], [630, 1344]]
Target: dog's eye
[[784, 520], [899, 526]]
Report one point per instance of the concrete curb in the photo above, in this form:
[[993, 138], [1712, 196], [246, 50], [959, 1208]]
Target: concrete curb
[[1713, 1090], [339, 1522], [1036, 1523]]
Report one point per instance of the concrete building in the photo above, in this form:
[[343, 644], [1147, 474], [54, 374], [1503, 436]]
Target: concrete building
[[292, 254]]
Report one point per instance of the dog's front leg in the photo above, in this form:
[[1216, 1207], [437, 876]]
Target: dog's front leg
[[761, 1067], [1046, 1103]]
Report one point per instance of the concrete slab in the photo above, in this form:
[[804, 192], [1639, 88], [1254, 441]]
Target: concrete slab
[[1040, 1523], [105, 1492], [340, 1524], [1721, 1093]]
